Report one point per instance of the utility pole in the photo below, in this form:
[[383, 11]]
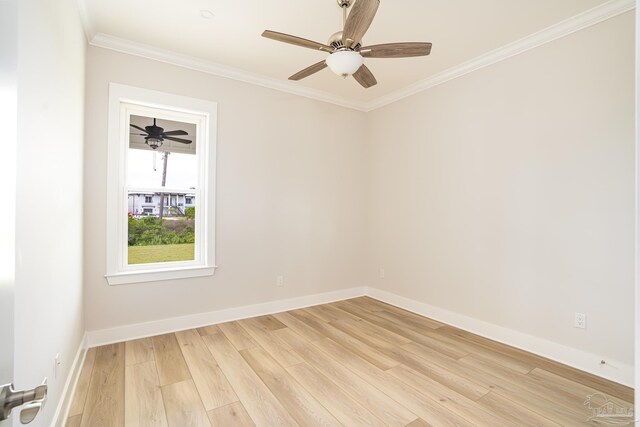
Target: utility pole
[[165, 157]]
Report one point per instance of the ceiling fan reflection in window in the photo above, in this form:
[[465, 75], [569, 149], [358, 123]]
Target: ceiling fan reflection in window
[[154, 135], [346, 53]]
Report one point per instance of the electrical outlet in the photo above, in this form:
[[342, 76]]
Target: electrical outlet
[[580, 320], [280, 281], [382, 273]]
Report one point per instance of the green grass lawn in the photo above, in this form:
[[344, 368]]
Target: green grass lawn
[[161, 253]]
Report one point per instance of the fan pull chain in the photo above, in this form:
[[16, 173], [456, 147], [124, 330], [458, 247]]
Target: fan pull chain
[[154, 161]]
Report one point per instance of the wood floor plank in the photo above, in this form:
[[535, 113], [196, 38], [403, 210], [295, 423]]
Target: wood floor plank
[[390, 338], [421, 364], [260, 403], [183, 405], [438, 372], [417, 401], [545, 404], [456, 403], [512, 412], [363, 349], [466, 347], [262, 336], [105, 399], [375, 400], [238, 337], [298, 326], [212, 385], [138, 351], [608, 387], [143, 406], [485, 353], [418, 423], [74, 421], [328, 313], [437, 358], [415, 323], [526, 382], [310, 320], [171, 365], [232, 415], [415, 331], [80, 396], [302, 406], [422, 335], [209, 330], [569, 387], [367, 303], [375, 306], [346, 409], [269, 323]]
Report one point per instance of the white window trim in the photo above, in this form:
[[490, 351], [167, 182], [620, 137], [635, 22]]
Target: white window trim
[[127, 100]]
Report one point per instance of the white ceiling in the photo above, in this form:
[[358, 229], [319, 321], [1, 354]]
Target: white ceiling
[[460, 31]]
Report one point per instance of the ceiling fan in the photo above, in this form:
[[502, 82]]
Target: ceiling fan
[[154, 135], [345, 48]]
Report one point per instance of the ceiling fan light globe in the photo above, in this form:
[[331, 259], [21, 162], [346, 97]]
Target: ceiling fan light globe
[[344, 62], [153, 142]]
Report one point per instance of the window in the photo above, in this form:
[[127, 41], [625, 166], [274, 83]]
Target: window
[[161, 151]]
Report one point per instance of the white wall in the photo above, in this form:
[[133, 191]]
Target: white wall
[[290, 196], [48, 290], [507, 195]]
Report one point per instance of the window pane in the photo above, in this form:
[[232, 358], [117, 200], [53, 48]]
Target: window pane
[[145, 165], [161, 223]]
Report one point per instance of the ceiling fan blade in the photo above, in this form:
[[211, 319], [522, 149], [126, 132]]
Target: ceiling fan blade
[[309, 70], [297, 41], [396, 50], [365, 77], [183, 141], [176, 132], [139, 128], [358, 21]]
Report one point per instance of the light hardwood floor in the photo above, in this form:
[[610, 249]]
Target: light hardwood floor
[[349, 363]]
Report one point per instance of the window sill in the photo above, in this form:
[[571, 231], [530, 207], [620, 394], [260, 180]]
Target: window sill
[[158, 275]]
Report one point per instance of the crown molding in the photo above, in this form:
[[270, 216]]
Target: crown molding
[[564, 28], [145, 51]]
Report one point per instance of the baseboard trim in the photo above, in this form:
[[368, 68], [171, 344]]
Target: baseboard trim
[[616, 371], [69, 390], [164, 326]]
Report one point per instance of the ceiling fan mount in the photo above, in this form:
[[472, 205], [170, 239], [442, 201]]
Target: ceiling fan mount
[[346, 53], [335, 41]]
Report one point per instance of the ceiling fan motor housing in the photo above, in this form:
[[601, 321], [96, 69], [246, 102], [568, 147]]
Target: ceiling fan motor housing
[[335, 41]]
